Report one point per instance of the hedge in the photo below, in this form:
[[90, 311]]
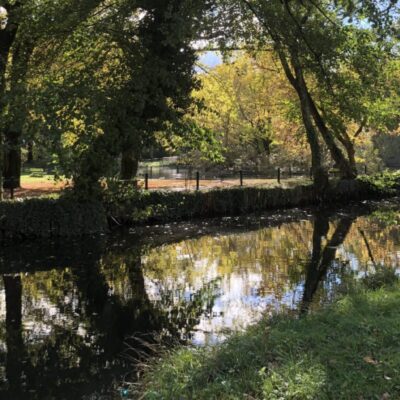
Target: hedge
[[47, 218], [130, 207], [68, 217]]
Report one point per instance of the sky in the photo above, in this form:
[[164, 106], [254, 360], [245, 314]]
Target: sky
[[210, 58]]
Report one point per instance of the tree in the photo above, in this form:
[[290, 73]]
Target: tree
[[327, 50], [130, 72], [30, 25]]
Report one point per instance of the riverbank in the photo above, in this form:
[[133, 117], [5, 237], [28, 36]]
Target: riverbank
[[348, 350], [126, 206], [129, 207]]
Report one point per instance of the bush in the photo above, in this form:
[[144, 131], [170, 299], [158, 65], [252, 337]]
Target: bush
[[382, 184], [44, 218], [383, 277]]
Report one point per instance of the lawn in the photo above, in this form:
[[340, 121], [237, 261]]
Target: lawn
[[350, 350]]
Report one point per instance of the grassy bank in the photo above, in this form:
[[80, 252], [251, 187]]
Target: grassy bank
[[349, 350]]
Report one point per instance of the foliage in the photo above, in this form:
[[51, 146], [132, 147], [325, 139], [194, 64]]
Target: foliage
[[383, 183], [250, 106], [130, 75], [382, 277], [346, 351], [128, 205]]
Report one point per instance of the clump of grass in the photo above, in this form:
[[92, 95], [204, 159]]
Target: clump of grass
[[382, 277], [349, 350]]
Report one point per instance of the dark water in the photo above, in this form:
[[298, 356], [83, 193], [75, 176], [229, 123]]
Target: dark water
[[71, 313]]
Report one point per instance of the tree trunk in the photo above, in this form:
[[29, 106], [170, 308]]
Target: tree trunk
[[129, 165], [350, 150], [346, 166], [12, 161], [30, 153], [7, 37], [342, 163], [319, 173]]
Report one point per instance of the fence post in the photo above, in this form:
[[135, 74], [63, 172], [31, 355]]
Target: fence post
[[365, 169], [197, 180], [241, 177], [290, 171], [151, 172], [146, 181], [177, 169], [279, 175]]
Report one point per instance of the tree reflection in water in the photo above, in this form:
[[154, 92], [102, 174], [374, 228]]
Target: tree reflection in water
[[322, 257], [75, 328], [70, 311]]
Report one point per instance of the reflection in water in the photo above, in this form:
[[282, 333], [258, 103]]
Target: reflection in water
[[322, 258], [14, 342], [69, 312]]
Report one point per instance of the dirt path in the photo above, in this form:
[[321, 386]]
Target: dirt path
[[36, 188], [44, 186]]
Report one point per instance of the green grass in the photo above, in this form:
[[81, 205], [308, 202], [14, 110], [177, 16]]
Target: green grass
[[36, 178], [350, 350], [157, 163]]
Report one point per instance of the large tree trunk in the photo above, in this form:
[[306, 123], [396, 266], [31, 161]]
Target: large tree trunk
[[320, 175], [129, 165], [342, 163], [12, 161], [21, 53], [7, 37]]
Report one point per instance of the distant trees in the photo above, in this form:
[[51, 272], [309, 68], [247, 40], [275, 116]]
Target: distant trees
[[252, 110]]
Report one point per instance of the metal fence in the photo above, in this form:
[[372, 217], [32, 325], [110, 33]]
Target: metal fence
[[188, 177]]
